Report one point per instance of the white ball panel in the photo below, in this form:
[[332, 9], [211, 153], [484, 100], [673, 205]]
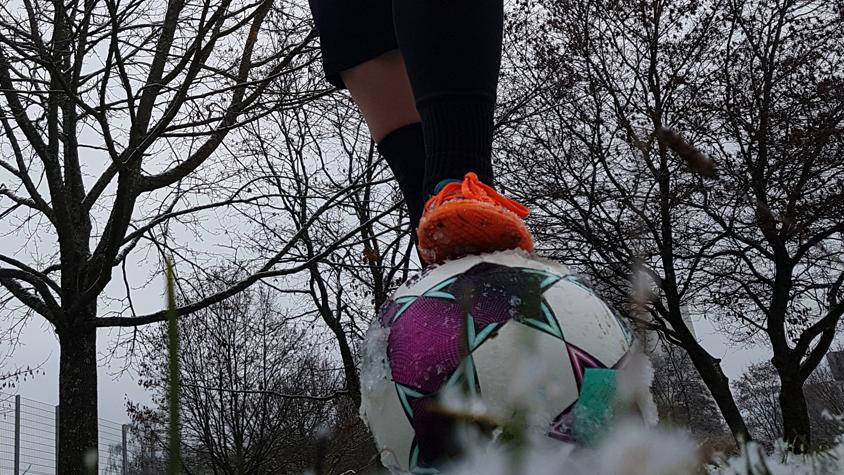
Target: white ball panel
[[382, 411], [524, 367], [587, 322]]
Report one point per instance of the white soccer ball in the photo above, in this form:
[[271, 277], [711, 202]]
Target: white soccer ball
[[514, 331]]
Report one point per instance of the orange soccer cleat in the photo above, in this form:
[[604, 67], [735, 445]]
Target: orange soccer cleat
[[470, 217]]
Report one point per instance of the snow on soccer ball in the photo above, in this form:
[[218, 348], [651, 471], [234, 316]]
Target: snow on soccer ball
[[483, 323]]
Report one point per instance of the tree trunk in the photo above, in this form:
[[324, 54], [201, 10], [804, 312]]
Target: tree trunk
[[795, 414], [349, 366], [78, 400], [719, 386]]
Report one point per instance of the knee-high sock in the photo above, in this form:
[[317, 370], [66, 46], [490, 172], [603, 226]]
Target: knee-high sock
[[452, 49], [404, 150]]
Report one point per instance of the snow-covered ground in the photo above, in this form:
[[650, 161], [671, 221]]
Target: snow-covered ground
[[633, 449], [634, 445], [754, 461]]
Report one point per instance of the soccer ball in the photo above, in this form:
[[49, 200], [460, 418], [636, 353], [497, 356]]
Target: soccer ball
[[482, 323]]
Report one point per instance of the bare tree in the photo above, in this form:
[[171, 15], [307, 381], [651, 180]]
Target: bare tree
[[324, 197], [108, 110], [773, 120], [145, 453], [254, 388], [758, 390], [609, 195], [750, 240], [347, 286]]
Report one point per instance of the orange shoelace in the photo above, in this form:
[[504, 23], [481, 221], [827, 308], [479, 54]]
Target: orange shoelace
[[472, 188]]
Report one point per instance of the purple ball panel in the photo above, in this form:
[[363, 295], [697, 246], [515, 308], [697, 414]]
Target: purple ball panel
[[423, 345]]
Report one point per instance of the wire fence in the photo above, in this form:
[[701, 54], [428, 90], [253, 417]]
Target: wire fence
[[28, 439]]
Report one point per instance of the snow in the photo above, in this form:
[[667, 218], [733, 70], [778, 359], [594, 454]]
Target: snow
[[375, 377], [634, 386], [634, 448], [754, 460], [374, 367], [631, 449], [634, 445]]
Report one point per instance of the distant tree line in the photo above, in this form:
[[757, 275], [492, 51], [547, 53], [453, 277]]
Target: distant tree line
[[682, 401]]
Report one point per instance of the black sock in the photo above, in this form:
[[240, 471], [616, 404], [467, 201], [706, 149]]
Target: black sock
[[458, 138], [452, 50], [404, 150]]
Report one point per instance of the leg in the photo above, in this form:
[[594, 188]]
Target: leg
[[453, 53], [452, 49], [358, 46], [381, 90]]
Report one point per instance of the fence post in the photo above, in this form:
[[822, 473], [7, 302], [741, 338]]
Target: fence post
[[17, 468], [57, 439], [125, 431]]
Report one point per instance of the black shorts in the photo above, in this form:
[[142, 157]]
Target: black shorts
[[352, 32]]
